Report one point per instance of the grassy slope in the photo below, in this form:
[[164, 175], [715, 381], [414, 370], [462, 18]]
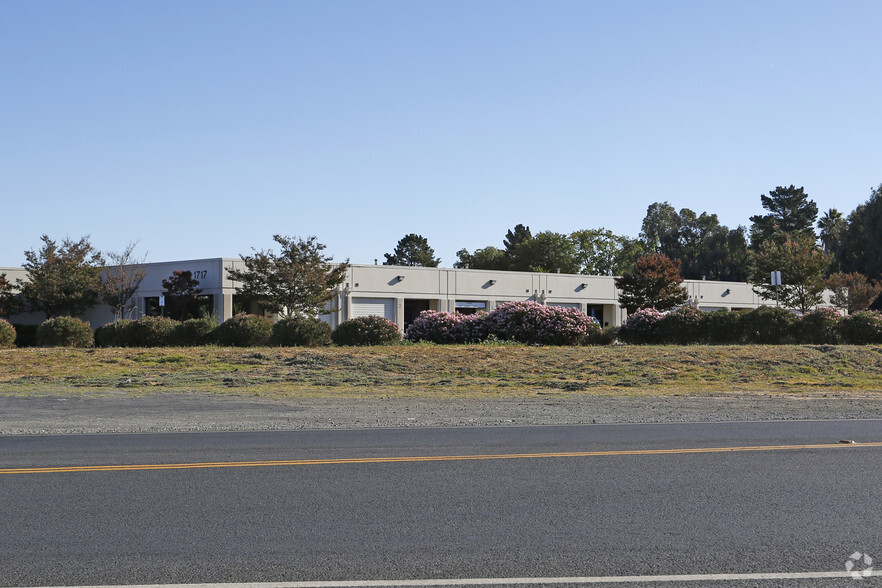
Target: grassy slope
[[445, 371]]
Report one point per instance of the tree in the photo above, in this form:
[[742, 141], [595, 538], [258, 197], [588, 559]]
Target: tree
[[790, 212], [654, 283], [660, 229], [181, 294], [706, 248], [62, 280], [600, 252], [832, 225], [724, 256], [802, 265], [514, 238], [121, 279], [853, 292], [9, 303], [300, 280], [412, 250], [546, 252], [861, 246], [488, 258]]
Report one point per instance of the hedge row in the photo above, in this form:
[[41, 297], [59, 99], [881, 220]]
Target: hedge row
[[243, 330], [521, 322], [766, 325]]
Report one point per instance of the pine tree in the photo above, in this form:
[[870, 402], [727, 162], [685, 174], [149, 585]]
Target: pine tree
[[412, 250]]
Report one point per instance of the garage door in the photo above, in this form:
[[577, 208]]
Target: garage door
[[384, 307]]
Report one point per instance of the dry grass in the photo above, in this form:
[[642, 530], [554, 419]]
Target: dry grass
[[446, 371]]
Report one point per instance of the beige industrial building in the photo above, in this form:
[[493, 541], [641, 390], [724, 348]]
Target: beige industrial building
[[400, 293]]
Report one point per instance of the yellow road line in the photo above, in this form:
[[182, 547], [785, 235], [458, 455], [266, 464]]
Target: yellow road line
[[420, 458]]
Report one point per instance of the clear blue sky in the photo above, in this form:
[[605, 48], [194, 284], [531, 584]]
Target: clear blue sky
[[204, 127]]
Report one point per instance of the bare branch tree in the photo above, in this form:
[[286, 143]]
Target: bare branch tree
[[121, 278]]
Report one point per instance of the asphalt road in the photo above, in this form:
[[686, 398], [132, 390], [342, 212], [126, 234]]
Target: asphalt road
[[360, 515]]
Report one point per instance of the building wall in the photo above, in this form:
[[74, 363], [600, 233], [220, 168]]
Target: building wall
[[399, 289]]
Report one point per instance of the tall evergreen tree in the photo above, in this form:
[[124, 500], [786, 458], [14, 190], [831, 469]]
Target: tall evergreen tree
[[412, 250], [790, 212], [514, 238], [861, 245]]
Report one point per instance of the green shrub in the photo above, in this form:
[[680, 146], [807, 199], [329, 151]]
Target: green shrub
[[195, 331], [150, 331], [820, 326], [605, 336], [769, 325], [301, 331], [683, 325], [65, 331], [7, 334], [366, 330], [724, 326], [113, 334], [243, 330], [861, 328]]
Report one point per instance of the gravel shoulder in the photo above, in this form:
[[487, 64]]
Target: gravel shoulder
[[194, 411]]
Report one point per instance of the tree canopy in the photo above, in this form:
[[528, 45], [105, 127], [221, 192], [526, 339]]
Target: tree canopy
[[299, 280], [9, 302], [412, 250], [802, 265], [62, 279], [853, 292], [655, 282], [790, 213], [600, 252], [487, 258], [861, 246], [706, 248], [181, 294]]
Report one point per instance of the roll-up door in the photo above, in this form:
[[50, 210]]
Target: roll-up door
[[384, 307]]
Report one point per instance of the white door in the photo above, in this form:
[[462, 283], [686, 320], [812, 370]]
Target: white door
[[384, 307]]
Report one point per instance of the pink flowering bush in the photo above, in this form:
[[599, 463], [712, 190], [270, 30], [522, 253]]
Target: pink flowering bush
[[366, 330], [536, 324], [448, 327], [819, 326], [7, 334], [642, 327]]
